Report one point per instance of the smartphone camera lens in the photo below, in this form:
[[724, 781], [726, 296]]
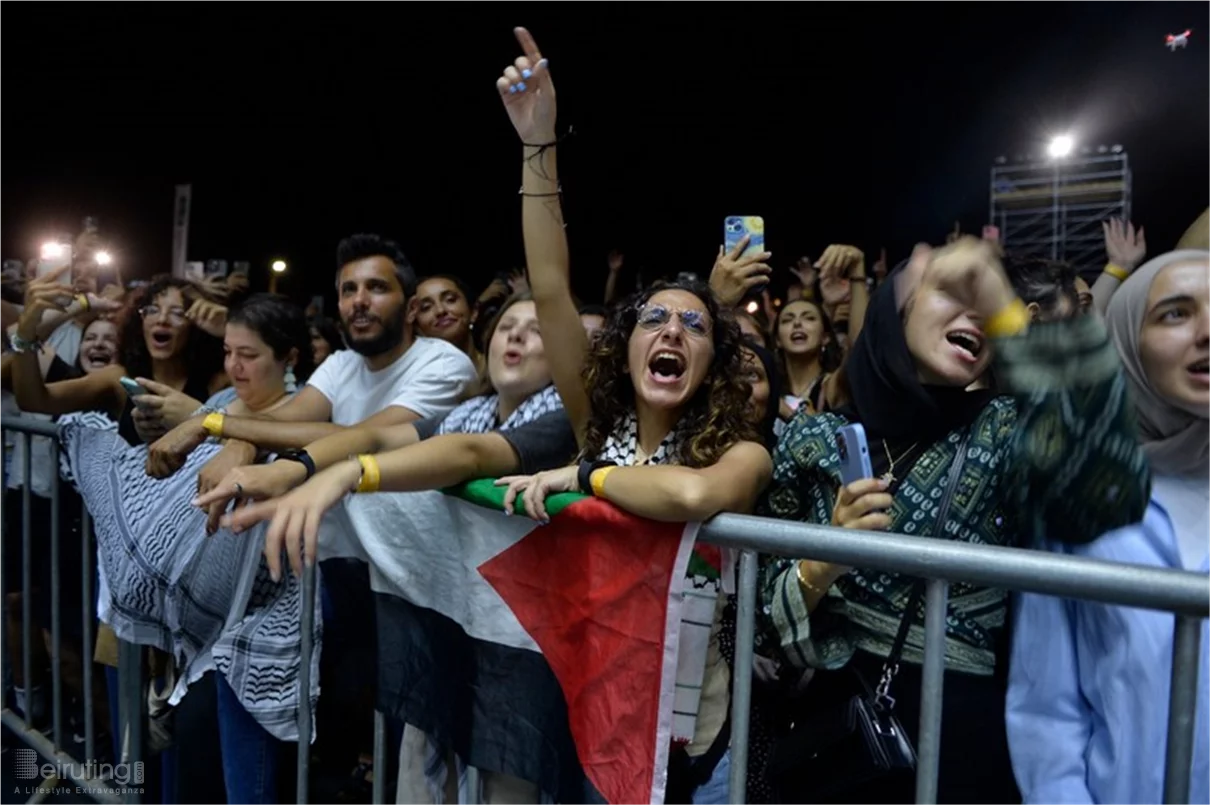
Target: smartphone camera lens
[[842, 448]]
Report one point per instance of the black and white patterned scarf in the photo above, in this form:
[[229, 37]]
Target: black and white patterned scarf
[[622, 446], [479, 415], [261, 654]]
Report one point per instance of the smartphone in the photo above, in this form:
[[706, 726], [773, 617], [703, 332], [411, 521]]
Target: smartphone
[[240, 267], [131, 388], [55, 255], [854, 454], [216, 268], [736, 226], [195, 270]]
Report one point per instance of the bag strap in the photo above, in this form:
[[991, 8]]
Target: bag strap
[[891, 666]]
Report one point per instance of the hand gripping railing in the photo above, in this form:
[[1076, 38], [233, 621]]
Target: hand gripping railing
[[942, 562]]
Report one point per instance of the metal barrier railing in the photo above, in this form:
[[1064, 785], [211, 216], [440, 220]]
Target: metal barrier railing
[[90, 776], [941, 562]]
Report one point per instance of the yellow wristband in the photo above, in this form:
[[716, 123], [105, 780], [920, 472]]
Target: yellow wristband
[[85, 306], [1012, 320], [1117, 272], [370, 474], [597, 481], [213, 425]]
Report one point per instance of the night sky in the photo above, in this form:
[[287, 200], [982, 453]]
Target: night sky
[[298, 123]]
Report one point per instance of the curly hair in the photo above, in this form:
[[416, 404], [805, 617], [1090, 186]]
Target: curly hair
[[203, 351], [716, 417]]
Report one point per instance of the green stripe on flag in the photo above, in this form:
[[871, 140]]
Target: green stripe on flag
[[484, 492], [700, 567]]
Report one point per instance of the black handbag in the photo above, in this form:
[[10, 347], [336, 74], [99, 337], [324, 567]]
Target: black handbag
[[843, 745]]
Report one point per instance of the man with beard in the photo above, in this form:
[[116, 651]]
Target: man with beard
[[388, 376]]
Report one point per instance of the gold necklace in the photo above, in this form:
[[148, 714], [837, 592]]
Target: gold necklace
[[889, 475]]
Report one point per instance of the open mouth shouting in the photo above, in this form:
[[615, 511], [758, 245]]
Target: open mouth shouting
[[1200, 372], [162, 338], [967, 344], [666, 367], [99, 356]]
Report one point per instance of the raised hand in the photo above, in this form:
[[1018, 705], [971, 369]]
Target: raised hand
[[806, 272], [42, 294], [835, 266], [736, 273], [528, 93], [969, 271], [616, 259], [1124, 246], [209, 317]]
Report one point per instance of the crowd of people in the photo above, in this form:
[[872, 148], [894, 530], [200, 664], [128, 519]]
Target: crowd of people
[[1005, 400]]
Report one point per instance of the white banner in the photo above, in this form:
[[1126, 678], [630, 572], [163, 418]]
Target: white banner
[[180, 229]]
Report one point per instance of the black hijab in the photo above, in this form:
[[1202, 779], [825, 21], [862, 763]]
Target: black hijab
[[887, 397]]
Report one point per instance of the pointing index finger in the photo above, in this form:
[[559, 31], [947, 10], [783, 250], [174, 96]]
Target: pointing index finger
[[526, 40]]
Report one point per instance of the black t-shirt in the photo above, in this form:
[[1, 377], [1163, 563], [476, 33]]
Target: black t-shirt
[[544, 444]]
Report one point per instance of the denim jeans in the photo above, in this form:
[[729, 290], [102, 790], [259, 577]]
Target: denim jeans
[[717, 789], [250, 754]]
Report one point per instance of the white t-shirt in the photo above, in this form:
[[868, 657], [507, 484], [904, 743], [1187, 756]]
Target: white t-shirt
[[429, 379]]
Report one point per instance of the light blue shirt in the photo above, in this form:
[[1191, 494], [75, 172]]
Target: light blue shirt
[[1087, 708]]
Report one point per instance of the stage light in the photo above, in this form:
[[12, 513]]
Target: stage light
[[1061, 146], [278, 266]]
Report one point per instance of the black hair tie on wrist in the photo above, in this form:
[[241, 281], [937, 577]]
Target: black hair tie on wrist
[[587, 468]]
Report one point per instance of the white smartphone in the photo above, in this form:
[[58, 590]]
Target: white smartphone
[[55, 255], [132, 388]]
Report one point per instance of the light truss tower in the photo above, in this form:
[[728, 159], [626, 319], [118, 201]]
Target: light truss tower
[[1054, 208]]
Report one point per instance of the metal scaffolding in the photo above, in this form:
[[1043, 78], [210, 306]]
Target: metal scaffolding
[[1055, 208]]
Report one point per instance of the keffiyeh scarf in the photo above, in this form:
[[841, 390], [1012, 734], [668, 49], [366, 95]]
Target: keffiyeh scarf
[[261, 654], [480, 414]]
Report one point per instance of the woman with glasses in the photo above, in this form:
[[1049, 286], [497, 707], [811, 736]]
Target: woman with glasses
[[169, 353], [660, 408]]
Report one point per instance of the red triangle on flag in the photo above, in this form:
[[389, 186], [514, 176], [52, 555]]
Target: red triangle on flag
[[591, 588]]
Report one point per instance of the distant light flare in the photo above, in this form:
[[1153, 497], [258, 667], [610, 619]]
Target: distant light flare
[[1061, 146], [53, 250]]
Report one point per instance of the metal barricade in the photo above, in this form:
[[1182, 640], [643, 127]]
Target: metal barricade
[[89, 776], [942, 562]]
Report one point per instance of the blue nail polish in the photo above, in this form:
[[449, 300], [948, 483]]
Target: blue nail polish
[[527, 73], [520, 86], [512, 89]]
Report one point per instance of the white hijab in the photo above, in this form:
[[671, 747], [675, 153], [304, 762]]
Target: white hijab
[[1176, 440]]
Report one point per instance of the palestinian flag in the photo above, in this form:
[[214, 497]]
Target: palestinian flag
[[546, 652]]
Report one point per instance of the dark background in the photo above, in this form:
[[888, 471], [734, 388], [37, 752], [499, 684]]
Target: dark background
[[297, 124]]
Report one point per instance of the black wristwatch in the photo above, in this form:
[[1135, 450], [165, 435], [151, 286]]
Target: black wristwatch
[[301, 456], [587, 468]]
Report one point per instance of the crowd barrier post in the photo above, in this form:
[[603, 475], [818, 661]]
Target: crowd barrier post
[[85, 774]]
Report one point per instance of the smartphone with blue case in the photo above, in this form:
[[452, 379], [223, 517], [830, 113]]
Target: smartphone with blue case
[[854, 454], [736, 226]]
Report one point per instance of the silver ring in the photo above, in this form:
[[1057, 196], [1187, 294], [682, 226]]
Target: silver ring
[[239, 490]]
